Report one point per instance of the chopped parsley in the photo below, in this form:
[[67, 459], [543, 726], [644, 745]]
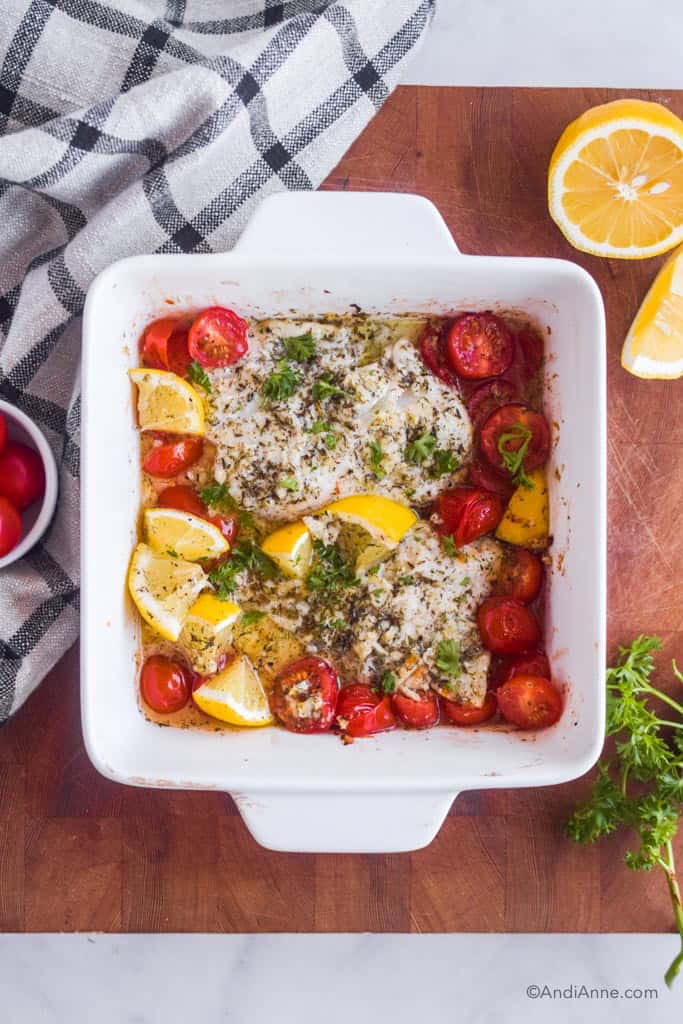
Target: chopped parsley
[[282, 382], [198, 375], [338, 624], [289, 483], [406, 581], [328, 432], [444, 462], [250, 617], [376, 458], [419, 450], [299, 349], [219, 497], [330, 572], [465, 581], [324, 388], [449, 545], [171, 553], [245, 556], [388, 682], [513, 458], [448, 657]]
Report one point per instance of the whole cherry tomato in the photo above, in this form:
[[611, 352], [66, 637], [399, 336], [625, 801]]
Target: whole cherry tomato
[[183, 498], [433, 352], [304, 695], [467, 513], [479, 345], [507, 626], [218, 337], [361, 711], [22, 475], [484, 476], [416, 714], [164, 684], [3, 433], [488, 397], [470, 714], [521, 575], [511, 428], [164, 346], [168, 458], [10, 526], [531, 702]]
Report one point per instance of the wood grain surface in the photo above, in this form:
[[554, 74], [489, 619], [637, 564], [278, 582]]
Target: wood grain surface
[[79, 852]]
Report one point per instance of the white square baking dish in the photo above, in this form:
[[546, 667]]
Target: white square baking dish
[[318, 253]]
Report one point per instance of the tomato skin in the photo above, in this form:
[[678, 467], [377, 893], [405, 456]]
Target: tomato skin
[[164, 684], [432, 350], [183, 498], [483, 476], [507, 626], [532, 350], [530, 702], [22, 475], [469, 714], [479, 345], [467, 513], [172, 457], [488, 397], [228, 527], [533, 663], [10, 526], [521, 576], [502, 421], [164, 346], [3, 433], [416, 714], [306, 679], [363, 712], [218, 337]]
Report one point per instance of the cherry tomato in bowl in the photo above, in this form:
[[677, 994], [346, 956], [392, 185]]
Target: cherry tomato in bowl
[[479, 345], [507, 626], [164, 684], [521, 575], [304, 695], [218, 337], [514, 428], [432, 350], [470, 714], [488, 397], [168, 458], [22, 475], [530, 702], [533, 663], [10, 526], [416, 714], [361, 711], [467, 513]]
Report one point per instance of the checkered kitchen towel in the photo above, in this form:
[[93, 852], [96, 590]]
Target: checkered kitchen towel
[[131, 126]]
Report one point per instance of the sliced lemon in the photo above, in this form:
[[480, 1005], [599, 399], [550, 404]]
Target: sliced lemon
[[291, 548], [235, 696], [615, 181], [383, 521], [654, 344], [163, 589], [207, 631], [169, 531], [167, 402]]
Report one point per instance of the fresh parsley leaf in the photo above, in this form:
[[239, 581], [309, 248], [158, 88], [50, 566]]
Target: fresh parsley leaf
[[328, 432], [406, 581], [198, 375], [299, 349], [218, 497], [376, 458], [448, 657], [324, 388], [248, 618], [444, 462], [388, 682], [289, 483], [282, 383], [338, 624], [513, 457], [245, 556], [449, 545], [419, 450], [331, 572]]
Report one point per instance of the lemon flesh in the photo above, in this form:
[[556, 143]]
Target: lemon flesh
[[235, 696], [168, 403], [291, 548], [163, 589], [170, 531], [654, 343], [207, 632], [384, 523]]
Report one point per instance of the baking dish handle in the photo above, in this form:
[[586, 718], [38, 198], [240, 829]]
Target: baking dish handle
[[344, 822], [342, 225]]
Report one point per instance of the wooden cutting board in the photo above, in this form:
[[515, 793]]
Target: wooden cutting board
[[78, 852]]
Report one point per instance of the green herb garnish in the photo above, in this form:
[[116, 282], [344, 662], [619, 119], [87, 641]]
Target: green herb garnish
[[444, 462], [171, 553], [513, 458], [406, 581], [330, 572], [218, 496], [388, 682], [289, 483], [299, 349], [375, 459], [324, 388], [448, 657], [419, 450], [250, 617], [448, 544], [245, 556], [198, 375], [282, 382], [328, 432]]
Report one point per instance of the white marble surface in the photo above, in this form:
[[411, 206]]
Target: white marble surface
[[622, 43], [337, 979]]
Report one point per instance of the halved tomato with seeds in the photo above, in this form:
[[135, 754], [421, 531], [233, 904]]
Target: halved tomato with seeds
[[218, 337], [304, 695], [479, 345]]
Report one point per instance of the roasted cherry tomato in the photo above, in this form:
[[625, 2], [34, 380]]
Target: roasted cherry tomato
[[521, 575], [417, 714], [164, 346], [10, 526], [184, 498], [22, 475], [479, 345], [470, 714], [168, 458], [361, 711], [488, 397], [484, 476], [3, 433], [511, 427], [432, 350], [218, 337], [531, 346], [531, 702], [507, 626], [164, 684], [228, 527], [534, 663], [304, 695], [467, 513]]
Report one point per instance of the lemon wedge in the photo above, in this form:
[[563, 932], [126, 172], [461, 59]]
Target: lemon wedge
[[167, 402], [615, 180], [169, 531], [207, 631], [291, 548], [383, 521], [235, 696], [163, 589], [654, 344]]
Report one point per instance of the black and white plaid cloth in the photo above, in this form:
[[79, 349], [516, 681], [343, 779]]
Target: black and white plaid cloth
[[130, 126]]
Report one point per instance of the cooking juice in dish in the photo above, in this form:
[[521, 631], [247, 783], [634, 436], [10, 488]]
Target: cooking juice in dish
[[344, 523]]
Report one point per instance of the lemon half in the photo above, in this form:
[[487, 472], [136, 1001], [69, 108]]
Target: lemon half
[[167, 402], [384, 521], [163, 589], [654, 344], [235, 696], [181, 534]]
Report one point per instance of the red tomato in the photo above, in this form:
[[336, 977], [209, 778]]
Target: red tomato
[[521, 575], [218, 337], [531, 345], [304, 695], [467, 513], [417, 714], [164, 346], [470, 714], [184, 498], [507, 626], [479, 345], [361, 711], [3, 433], [10, 526], [488, 397], [531, 702], [535, 663], [433, 354], [164, 684], [526, 426], [22, 475], [483, 476], [228, 527], [169, 458]]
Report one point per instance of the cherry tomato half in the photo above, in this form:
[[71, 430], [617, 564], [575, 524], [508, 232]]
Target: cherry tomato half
[[470, 714], [218, 337], [184, 498], [168, 458], [22, 475], [416, 714], [479, 345], [3, 433], [531, 702], [361, 711], [531, 345], [10, 526], [304, 695], [482, 475], [164, 346], [164, 684], [488, 397], [432, 350], [522, 426], [467, 513], [521, 575], [507, 626], [228, 527]]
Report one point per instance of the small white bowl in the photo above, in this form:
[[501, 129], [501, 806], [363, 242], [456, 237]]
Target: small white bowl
[[37, 516]]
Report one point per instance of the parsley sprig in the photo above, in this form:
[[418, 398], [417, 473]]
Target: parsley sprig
[[246, 555], [448, 657], [331, 572], [641, 787], [513, 457], [282, 383], [375, 459], [419, 450], [423, 449], [328, 432], [218, 497], [198, 375], [324, 388], [300, 348]]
